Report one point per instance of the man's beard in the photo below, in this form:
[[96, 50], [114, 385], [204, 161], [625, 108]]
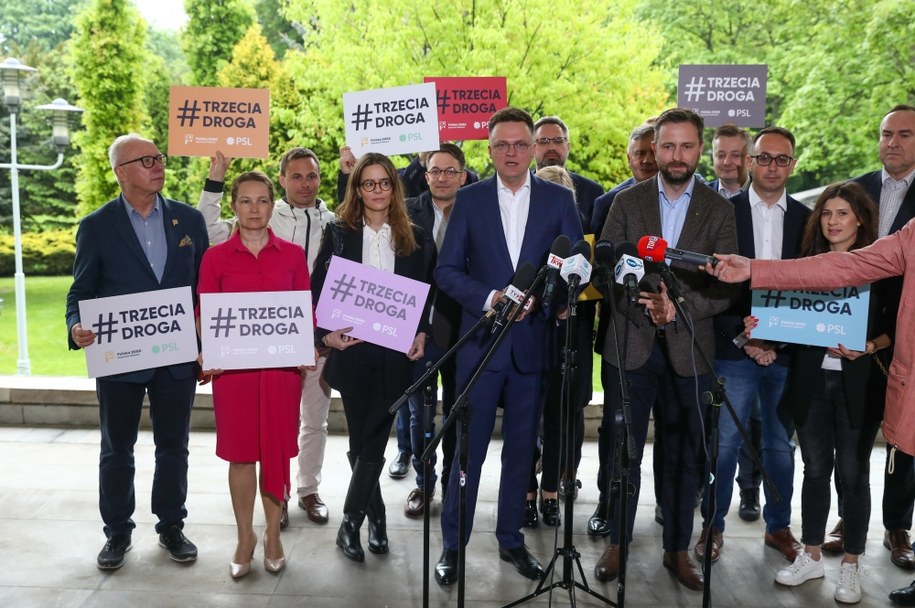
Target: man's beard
[[550, 161], [676, 180]]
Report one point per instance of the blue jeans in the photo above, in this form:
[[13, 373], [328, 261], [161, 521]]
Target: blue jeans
[[744, 381], [447, 373]]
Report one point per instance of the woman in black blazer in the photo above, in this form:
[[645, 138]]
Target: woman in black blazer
[[835, 396], [373, 228]]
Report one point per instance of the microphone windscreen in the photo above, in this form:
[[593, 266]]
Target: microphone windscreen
[[581, 248], [604, 254], [627, 248], [652, 248], [561, 246], [524, 276]]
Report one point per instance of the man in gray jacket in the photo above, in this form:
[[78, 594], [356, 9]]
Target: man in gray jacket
[[301, 219]]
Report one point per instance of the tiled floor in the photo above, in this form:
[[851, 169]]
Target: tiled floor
[[50, 533]]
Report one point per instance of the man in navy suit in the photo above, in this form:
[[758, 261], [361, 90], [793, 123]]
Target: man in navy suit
[[139, 242], [495, 226], [642, 163], [730, 160], [770, 226]]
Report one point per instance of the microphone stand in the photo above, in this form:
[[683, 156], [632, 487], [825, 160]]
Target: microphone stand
[[569, 554], [461, 411], [714, 397], [428, 416]]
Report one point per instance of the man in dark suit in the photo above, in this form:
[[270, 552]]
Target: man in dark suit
[[730, 160], [770, 226], [139, 242], [495, 226], [658, 356], [551, 148], [891, 188], [445, 173]]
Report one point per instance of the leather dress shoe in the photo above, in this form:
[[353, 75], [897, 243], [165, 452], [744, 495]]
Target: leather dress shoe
[[686, 571], [549, 508], [749, 505], [599, 524], [717, 542], [900, 546], [784, 541], [400, 465], [111, 557], [525, 563], [446, 570], [416, 503], [531, 520], [834, 542], [567, 489], [314, 508], [904, 596], [607, 567], [284, 515]]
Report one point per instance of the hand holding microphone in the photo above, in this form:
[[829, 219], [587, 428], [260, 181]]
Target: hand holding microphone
[[512, 296]]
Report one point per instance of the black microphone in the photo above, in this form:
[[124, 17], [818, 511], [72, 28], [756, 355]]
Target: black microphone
[[670, 280], [655, 249], [513, 296], [604, 258], [559, 251], [629, 270], [576, 269]]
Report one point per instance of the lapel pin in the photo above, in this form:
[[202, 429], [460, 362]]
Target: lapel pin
[[174, 222]]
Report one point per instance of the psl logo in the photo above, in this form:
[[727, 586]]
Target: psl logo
[[109, 355]]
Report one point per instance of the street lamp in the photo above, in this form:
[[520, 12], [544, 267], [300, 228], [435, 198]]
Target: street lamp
[[11, 71]]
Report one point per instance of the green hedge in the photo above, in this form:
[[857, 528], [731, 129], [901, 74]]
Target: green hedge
[[47, 253]]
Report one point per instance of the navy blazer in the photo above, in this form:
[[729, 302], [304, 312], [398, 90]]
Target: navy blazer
[[474, 261], [344, 368], [873, 184], [111, 262], [586, 192], [602, 205], [730, 323]]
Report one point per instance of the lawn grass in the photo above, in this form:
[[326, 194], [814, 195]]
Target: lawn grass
[[46, 301]]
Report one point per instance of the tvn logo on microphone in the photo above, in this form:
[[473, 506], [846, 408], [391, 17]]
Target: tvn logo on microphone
[[629, 265]]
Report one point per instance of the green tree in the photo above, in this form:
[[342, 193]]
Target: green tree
[[46, 23], [594, 66], [280, 32], [108, 55], [213, 29]]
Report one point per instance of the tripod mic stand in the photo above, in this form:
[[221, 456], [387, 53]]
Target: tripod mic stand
[[567, 552]]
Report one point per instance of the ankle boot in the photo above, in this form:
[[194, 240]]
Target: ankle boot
[[348, 536], [377, 517], [362, 485]]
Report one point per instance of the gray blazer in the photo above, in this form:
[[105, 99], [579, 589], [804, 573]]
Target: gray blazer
[[709, 228]]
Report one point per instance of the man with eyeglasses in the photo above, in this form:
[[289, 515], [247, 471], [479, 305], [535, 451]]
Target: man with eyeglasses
[[662, 370], [299, 218], [551, 148], [496, 226], [138, 242], [445, 174], [770, 226]]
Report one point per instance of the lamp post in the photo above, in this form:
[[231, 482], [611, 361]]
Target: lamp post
[[11, 71]]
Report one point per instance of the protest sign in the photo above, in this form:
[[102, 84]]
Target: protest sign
[[139, 331], [382, 308], [465, 104], [723, 94], [398, 120], [259, 329], [202, 120]]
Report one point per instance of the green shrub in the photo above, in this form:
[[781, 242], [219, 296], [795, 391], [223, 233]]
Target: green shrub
[[47, 253]]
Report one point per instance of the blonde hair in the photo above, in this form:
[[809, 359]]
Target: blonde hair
[[557, 175]]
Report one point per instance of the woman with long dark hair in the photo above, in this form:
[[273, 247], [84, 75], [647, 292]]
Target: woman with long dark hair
[[373, 228]]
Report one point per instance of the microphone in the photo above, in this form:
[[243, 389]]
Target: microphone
[[604, 256], [558, 252], [629, 270], [513, 296], [655, 249], [576, 269]]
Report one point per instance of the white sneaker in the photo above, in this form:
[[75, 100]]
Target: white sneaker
[[848, 590], [802, 570]]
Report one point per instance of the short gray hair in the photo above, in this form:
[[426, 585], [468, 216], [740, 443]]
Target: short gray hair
[[114, 150]]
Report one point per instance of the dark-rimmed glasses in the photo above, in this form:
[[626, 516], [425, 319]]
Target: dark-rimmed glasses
[[764, 160], [147, 161], [369, 185]]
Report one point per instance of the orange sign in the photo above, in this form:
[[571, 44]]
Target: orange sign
[[202, 120]]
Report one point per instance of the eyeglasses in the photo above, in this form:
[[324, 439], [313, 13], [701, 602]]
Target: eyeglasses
[[369, 185], [545, 141], [764, 160], [147, 161], [519, 146], [450, 172]]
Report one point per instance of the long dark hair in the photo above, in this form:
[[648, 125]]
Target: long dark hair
[[862, 206], [351, 210]]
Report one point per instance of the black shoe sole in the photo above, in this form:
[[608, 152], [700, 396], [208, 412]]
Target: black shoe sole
[[178, 558]]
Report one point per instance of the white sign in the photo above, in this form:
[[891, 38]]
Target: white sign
[[259, 329], [139, 331], [398, 120]]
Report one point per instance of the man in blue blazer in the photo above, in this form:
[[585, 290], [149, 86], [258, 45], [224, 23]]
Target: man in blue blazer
[[497, 225], [139, 242]]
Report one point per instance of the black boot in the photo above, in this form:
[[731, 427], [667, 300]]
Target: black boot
[[375, 513], [362, 485]]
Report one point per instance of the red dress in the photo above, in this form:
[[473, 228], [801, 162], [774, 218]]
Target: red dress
[[257, 411]]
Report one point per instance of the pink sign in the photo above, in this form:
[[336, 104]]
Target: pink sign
[[382, 308], [465, 104]]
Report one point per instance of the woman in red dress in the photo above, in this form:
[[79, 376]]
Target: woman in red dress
[[257, 411]]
